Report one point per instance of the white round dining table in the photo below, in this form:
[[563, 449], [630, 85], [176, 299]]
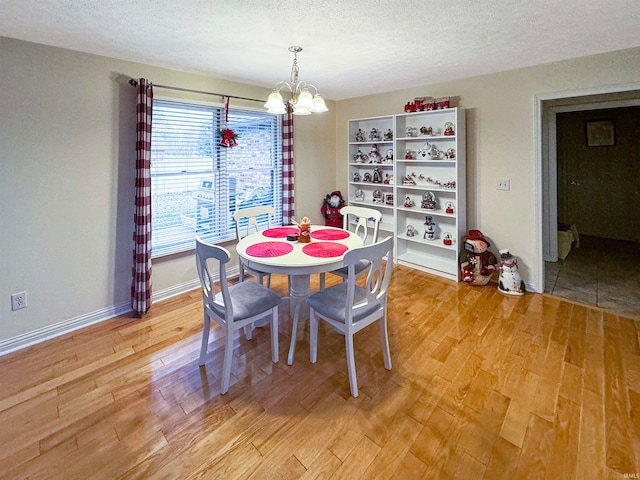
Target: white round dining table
[[264, 251]]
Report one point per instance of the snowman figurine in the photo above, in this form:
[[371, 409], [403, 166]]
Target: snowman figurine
[[509, 280], [429, 229]]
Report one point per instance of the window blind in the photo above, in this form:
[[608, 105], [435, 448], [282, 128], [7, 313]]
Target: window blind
[[196, 184]]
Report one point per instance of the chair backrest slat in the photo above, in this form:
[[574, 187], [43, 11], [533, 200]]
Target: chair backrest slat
[[251, 214], [378, 275], [364, 216], [204, 252]]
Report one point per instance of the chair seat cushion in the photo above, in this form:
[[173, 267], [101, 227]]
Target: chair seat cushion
[[248, 299], [331, 302]]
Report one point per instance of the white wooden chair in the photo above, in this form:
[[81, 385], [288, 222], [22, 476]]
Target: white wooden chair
[[234, 307], [358, 219], [251, 215], [349, 307]]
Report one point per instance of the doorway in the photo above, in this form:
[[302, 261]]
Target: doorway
[[590, 198]]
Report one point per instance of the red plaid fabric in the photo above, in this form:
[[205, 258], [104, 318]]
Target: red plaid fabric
[[141, 281], [287, 167]]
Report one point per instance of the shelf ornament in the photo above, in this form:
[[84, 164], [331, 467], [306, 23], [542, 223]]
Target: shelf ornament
[[228, 136]]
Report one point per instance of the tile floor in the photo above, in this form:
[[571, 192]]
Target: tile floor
[[601, 272]]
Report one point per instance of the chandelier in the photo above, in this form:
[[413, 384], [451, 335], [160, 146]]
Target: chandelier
[[301, 100]]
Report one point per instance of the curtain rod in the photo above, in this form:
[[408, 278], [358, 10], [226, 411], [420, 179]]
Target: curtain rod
[[134, 83]]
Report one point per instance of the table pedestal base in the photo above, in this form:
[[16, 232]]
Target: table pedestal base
[[299, 291]]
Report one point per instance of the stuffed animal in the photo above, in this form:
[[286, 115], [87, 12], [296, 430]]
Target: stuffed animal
[[477, 263], [331, 207], [509, 280]]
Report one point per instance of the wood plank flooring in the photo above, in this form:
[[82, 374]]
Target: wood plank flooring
[[483, 386]]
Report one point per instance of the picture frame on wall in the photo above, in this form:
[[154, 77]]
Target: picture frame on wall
[[600, 133]]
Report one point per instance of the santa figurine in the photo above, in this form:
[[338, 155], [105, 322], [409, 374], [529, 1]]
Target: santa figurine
[[331, 206]]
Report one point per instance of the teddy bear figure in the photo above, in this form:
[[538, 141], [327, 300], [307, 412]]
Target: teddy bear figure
[[509, 280], [331, 207], [477, 263]]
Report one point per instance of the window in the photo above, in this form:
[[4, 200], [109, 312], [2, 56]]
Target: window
[[196, 185]]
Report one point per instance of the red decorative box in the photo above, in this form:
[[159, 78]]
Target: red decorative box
[[442, 103], [428, 104]]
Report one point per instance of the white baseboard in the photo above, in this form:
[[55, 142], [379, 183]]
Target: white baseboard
[[51, 331]]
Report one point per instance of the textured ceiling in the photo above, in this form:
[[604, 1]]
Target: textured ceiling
[[351, 48]]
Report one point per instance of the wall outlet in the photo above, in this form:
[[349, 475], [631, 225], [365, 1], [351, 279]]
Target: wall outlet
[[503, 184], [18, 301]]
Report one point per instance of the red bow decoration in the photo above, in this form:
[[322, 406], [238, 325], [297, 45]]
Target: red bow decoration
[[228, 135], [228, 138]]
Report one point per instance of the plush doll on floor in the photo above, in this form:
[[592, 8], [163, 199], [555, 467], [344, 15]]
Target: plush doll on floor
[[477, 263]]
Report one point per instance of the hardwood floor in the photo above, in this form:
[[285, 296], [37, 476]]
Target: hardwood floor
[[483, 386]]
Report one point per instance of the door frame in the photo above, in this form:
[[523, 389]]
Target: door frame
[[547, 106]]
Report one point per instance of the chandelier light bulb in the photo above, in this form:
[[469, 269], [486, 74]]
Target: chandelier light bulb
[[301, 99]]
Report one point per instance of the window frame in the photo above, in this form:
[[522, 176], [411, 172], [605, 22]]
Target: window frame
[[222, 167]]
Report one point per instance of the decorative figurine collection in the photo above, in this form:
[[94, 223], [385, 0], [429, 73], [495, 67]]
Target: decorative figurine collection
[[360, 157], [388, 199], [509, 280], [374, 135], [425, 131], [422, 104], [429, 201], [449, 208], [373, 177], [430, 152], [410, 179], [448, 129], [373, 156], [429, 229]]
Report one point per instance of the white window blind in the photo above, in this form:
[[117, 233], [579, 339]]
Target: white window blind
[[196, 185]]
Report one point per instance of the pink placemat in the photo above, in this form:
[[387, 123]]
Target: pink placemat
[[327, 234], [325, 249], [280, 232], [269, 249]]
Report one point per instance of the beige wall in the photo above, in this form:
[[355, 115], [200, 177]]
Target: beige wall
[[501, 140], [67, 167]]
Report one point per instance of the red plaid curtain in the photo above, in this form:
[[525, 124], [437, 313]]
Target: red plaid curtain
[[141, 282], [287, 167]]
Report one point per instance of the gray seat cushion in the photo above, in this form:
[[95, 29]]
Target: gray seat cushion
[[332, 301], [248, 299]]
